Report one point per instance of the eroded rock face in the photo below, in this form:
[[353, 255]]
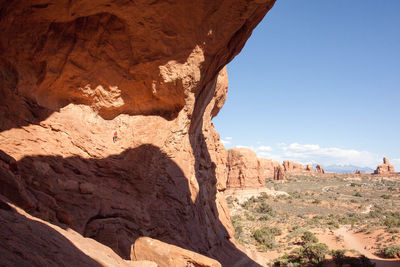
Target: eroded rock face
[[279, 173], [309, 168], [29, 241], [166, 255], [319, 169], [385, 168], [267, 167], [244, 169], [292, 167], [73, 72]]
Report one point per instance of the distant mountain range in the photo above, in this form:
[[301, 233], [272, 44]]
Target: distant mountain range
[[346, 169]]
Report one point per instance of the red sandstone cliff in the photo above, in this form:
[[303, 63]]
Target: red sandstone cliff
[[73, 72], [244, 169], [268, 167]]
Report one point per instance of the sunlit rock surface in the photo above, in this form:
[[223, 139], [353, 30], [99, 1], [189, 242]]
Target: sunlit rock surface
[[74, 72]]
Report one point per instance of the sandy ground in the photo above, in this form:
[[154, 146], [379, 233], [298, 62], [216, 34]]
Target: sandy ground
[[345, 238]]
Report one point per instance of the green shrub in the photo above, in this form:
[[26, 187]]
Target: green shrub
[[392, 220], [333, 224], [237, 226], [264, 218], [386, 196], [315, 253], [308, 238], [265, 237], [248, 203], [391, 251], [357, 194], [316, 201], [338, 256], [264, 208]]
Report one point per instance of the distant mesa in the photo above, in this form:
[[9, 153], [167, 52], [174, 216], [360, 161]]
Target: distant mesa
[[385, 168], [291, 166], [247, 171], [244, 169], [268, 167], [358, 171]]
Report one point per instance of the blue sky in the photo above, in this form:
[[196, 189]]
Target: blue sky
[[318, 81]]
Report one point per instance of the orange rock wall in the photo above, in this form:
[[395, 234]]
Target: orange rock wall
[[73, 72], [244, 169]]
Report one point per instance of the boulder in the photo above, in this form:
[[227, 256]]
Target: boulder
[[166, 255]]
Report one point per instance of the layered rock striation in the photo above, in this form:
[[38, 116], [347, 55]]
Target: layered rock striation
[[74, 72]]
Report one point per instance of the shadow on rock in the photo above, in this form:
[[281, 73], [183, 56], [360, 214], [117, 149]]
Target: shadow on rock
[[115, 200], [26, 242]]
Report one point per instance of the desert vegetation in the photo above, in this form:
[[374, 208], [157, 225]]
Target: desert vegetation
[[309, 225]]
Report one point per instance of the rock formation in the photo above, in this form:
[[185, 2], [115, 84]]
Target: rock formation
[[244, 169], [292, 167], [309, 168], [73, 72], [267, 167], [296, 168], [358, 171], [166, 255], [385, 168], [319, 169], [279, 173], [29, 241]]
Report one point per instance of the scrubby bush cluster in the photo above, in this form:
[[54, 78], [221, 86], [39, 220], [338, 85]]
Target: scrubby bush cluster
[[392, 251], [265, 237], [309, 255]]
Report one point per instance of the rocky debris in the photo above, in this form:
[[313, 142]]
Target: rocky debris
[[358, 171], [279, 173], [319, 169], [309, 168], [385, 168], [267, 167], [166, 255], [78, 71], [29, 241], [244, 169]]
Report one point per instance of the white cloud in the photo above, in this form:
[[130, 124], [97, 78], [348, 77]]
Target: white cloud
[[228, 138], [396, 164], [249, 147], [264, 148], [225, 142], [314, 153], [329, 155]]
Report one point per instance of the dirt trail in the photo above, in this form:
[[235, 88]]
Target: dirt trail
[[352, 242]]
